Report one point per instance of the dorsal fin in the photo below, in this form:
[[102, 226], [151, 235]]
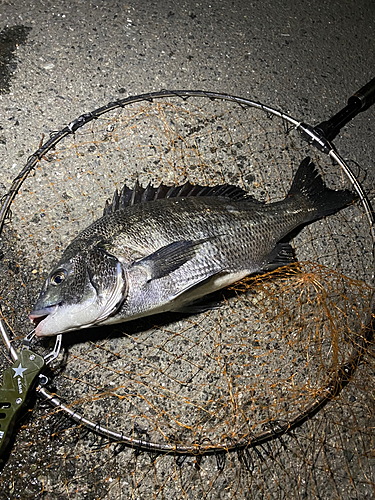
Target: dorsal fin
[[138, 194]]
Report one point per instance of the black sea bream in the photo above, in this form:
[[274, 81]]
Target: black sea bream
[[160, 249]]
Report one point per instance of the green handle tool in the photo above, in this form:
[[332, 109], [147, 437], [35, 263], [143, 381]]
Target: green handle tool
[[18, 379]]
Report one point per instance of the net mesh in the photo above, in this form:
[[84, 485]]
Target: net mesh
[[265, 356]]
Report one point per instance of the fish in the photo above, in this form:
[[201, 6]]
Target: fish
[[159, 249]]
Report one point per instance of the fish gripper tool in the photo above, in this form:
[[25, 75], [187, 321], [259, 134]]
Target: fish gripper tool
[[18, 379]]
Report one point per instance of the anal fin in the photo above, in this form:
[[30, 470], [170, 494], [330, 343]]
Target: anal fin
[[199, 306], [281, 255]]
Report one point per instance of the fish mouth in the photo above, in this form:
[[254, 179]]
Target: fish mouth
[[38, 316], [37, 319]]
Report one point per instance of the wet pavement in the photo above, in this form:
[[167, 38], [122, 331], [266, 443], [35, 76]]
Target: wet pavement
[[60, 60]]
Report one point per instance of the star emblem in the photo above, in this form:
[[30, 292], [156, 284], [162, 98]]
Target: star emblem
[[18, 372]]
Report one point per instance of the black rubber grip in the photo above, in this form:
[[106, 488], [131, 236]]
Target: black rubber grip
[[358, 102], [365, 97]]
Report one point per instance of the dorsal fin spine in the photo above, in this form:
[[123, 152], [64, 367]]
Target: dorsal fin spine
[[138, 194]]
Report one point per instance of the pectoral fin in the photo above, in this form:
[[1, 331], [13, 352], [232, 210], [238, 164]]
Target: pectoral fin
[[169, 258]]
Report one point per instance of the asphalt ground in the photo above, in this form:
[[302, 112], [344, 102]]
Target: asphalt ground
[[58, 61]]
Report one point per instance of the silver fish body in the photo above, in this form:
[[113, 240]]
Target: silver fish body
[[157, 250]]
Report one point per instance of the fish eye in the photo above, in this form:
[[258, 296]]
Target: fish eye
[[58, 277]]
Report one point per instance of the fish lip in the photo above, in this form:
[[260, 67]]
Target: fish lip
[[37, 316]]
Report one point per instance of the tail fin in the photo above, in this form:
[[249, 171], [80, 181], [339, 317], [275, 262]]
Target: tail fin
[[320, 200]]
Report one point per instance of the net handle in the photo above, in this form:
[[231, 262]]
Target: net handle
[[358, 102]]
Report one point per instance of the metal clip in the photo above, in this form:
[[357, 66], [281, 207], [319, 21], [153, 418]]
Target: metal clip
[[48, 358], [26, 343], [56, 350]]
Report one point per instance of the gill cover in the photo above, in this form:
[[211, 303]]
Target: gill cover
[[106, 275]]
